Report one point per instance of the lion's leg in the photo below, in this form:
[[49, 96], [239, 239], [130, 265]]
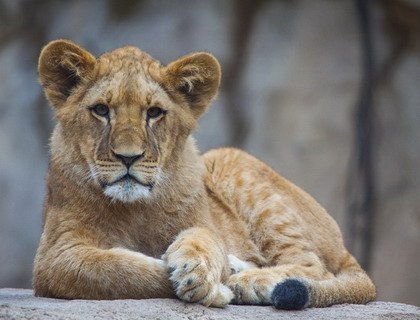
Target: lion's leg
[[76, 270], [292, 231], [197, 263], [277, 231], [256, 285]]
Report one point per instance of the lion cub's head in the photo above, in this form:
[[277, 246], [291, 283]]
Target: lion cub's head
[[123, 117]]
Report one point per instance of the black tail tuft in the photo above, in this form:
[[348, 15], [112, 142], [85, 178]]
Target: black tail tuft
[[291, 294]]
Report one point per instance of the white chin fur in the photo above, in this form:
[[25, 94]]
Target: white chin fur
[[127, 192]]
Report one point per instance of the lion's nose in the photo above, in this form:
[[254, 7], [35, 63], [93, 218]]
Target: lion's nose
[[128, 159]]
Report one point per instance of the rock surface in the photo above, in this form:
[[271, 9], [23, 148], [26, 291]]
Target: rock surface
[[21, 304]]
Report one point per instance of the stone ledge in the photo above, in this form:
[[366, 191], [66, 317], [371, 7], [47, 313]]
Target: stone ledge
[[21, 304]]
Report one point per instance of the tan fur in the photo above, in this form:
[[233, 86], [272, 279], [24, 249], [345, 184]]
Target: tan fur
[[205, 229]]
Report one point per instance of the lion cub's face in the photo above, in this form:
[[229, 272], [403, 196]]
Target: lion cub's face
[[128, 119], [126, 115]]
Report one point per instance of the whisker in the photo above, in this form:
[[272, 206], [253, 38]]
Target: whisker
[[146, 165], [146, 172], [109, 166]]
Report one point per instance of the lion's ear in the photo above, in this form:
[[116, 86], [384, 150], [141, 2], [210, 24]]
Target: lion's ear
[[62, 66], [196, 77]]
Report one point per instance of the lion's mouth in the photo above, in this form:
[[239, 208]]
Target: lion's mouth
[[128, 179]]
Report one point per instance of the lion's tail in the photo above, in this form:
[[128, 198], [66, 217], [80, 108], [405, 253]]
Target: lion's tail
[[350, 285]]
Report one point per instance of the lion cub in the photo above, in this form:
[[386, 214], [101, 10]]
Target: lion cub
[[133, 211]]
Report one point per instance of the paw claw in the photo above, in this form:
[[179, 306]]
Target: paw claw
[[171, 270]]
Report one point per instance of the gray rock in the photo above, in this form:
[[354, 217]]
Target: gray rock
[[21, 304]]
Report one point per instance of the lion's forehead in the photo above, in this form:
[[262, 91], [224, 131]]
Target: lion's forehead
[[125, 88], [125, 69], [130, 61]]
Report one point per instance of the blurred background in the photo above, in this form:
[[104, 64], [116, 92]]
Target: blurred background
[[327, 92]]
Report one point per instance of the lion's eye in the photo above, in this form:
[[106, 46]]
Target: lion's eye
[[154, 112], [101, 110]]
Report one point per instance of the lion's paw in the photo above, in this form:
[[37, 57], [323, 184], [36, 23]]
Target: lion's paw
[[194, 280], [237, 265], [252, 286]]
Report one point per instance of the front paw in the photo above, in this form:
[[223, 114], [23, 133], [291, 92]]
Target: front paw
[[194, 278], [253, 286]]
